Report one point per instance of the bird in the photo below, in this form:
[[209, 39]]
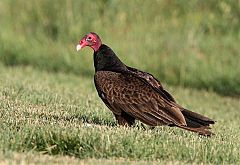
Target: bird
[[132, 94]]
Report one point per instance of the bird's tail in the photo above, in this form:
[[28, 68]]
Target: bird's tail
[[197, 123], [204, 131]]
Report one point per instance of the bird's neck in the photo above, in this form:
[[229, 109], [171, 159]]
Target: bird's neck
[[106, 60], [96, 46]]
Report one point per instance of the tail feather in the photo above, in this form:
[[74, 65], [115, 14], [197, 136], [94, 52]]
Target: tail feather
[[201, 130], [193, 118], [197, 123]]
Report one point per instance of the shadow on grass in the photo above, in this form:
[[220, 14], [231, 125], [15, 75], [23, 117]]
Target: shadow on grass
[[83, 119], [220, 85]]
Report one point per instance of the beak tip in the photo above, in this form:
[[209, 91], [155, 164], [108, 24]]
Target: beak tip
[[78, 47]]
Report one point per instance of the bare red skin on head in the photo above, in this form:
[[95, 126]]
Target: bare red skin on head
[[92, 40]]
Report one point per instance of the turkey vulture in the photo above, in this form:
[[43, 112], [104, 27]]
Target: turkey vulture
[[133, 94]]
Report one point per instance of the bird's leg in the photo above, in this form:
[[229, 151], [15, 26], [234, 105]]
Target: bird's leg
[[145, 127], [125, 119]]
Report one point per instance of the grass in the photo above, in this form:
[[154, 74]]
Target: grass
[[13, 158], [50, 112], [193, 44], [47, 113]]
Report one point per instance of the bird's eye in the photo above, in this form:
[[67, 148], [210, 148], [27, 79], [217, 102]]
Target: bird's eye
[[89, 38]]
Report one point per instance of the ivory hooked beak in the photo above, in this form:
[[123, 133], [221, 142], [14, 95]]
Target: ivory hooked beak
[[79, 47]]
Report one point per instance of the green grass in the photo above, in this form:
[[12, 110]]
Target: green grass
[[189, 43], [47, 96], [13, 158], [47, 113]]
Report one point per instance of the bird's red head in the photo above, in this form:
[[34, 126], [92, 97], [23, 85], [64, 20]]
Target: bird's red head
[[92, 40]]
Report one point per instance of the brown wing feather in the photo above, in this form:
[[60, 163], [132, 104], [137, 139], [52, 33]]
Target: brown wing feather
[[124, 92], [152, 81]]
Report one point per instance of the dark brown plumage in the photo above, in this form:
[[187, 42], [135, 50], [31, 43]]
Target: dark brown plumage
[[133, 94]]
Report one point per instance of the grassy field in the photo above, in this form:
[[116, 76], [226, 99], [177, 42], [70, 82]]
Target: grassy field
[[49, 109], [188, 43], [13, 158], [60, 114]]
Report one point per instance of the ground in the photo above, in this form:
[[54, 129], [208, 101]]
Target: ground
[[56, 117]]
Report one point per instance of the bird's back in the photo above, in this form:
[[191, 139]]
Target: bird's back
[[131, 94]]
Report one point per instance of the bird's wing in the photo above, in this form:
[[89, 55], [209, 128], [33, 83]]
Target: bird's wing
[[126, 92], [152, 81]]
